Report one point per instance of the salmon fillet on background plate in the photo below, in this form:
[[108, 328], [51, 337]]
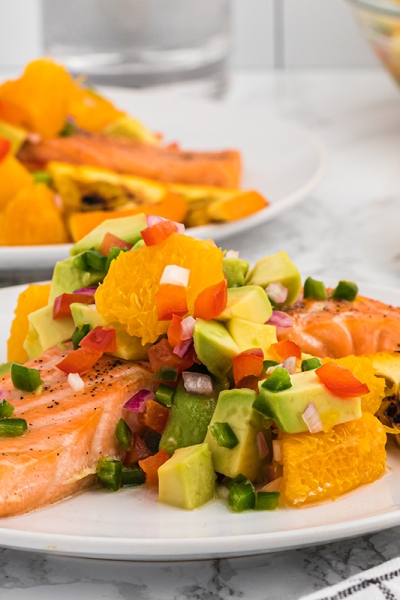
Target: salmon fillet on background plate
[[337, 328], [67, 431]]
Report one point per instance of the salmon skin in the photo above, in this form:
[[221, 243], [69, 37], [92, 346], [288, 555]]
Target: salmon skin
[[337, 328], [67, 431], [167, 164]]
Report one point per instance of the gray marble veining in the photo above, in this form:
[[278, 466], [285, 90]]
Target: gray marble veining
[[347, 228]]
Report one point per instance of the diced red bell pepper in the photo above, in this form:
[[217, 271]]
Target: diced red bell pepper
[[156, 416], [79, 361], [151, 465], [161, 355], [112, 241], [171, 300], [249, 362], [102, 339], [175, 331], [210, 303], [341, 381], [158, 233], [285, 349], [62, 304], [5, 148], [139, 451]]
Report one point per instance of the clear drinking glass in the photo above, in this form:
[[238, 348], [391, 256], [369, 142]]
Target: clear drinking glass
[[140, 43]]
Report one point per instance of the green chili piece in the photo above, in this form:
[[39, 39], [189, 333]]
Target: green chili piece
[[110, 474], [123, 434], [24, 378], [310, 364], [164, 395], [242, 496], [80, 263], [114, 252], [13, 428], [267, 500], [314, 290], [224, 435], [132, 476], [269, 363], [80, 332], [278, 381], [6, 409], [167, 374], [238, 479], [95, 260], [42, 177], [345, 290]]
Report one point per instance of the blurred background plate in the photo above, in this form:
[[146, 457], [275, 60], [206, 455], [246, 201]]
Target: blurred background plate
[[281, 160]]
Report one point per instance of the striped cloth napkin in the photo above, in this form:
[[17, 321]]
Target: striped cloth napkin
[[380, 583]]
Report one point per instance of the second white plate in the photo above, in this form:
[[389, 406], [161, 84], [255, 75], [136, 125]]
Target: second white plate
[[281, 160]]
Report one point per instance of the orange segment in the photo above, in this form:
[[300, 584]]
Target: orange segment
[[14, 177], [90, 110], [238, 206], [128, 294], [32, 218], [34, 297], [323, 466]]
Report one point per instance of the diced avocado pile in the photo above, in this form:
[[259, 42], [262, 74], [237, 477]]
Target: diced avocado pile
[[210, 434]]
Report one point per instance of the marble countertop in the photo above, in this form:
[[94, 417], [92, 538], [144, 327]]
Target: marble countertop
[[347, 228]]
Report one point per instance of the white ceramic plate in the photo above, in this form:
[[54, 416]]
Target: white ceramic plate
[[282, 160], [132, 525]]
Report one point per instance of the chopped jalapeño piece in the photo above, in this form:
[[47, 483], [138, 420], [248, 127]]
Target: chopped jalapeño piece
[[109, 472], [224, 435], [114, 252], [95, 260], [167, 374], [24, 378], [12, 428], [310, 364], [267, 500], [238, 479], [314, 290], [132, 476], [278, 381], [345, 290], [269, 363], [80, 332], [123, 434], [6, 409], [164, 395], [242, 496]]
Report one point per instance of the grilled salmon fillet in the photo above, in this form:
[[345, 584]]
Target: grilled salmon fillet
[[167, 164], [67, 431], [337, 328]]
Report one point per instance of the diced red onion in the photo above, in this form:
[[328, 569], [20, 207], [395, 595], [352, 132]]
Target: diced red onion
[[138, 401], [198, 383], [89, 291], [273, 486], [232, 254], [34, 138], [175, 275], [183, 348], [262, 445], [187, 328], [280, 319], [277, 450], [312, 419], [277, 292], [154, 220], [290, 364], [75, 382], [272, 369]]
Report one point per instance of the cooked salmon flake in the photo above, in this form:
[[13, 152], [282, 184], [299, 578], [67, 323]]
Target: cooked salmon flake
[[128, 293]]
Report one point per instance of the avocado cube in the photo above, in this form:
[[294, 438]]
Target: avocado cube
[[249, 302], [277, 268], [235, 407], [45, 332], [67, 278], [126, 228], [286, 407], [187, 480], [235, 271], [214, 346], [252, 335]]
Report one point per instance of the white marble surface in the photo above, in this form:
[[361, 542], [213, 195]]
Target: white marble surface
[[348, 228]]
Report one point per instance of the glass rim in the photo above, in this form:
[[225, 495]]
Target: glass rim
[[383, 7]]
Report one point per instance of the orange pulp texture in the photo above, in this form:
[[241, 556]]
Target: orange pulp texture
[[323, 466], [128, 293]]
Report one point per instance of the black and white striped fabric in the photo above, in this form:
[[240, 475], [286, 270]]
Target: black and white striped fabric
[[380, 583]]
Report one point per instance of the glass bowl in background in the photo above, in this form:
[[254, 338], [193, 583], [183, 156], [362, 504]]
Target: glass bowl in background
[[142, 43], [380, 24]]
